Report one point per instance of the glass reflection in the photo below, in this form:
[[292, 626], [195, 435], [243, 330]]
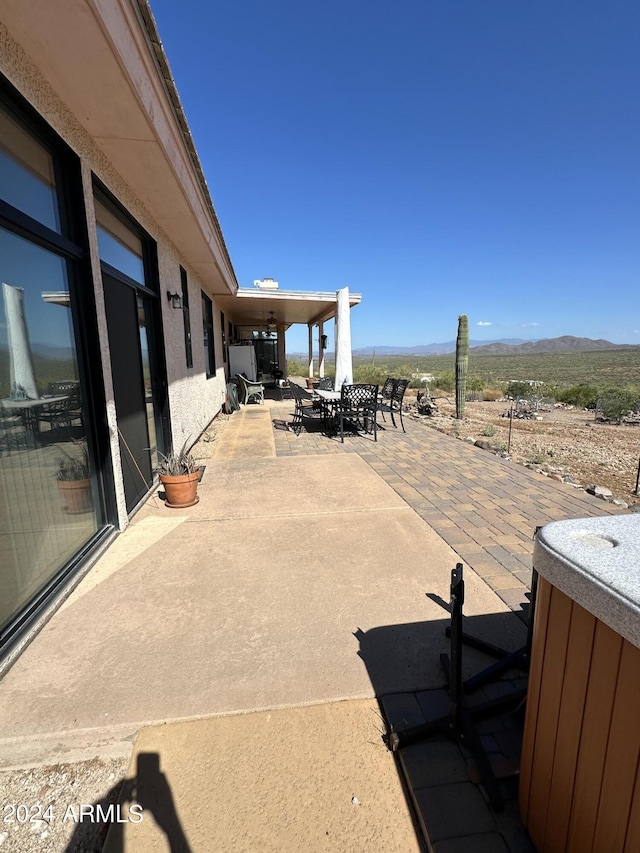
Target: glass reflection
[[46, 499], [143, 307], [26, 174]]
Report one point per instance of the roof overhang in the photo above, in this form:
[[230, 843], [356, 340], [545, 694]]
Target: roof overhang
[[252, 307], [106, 63]]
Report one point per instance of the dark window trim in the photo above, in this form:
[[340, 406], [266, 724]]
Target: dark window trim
[[209, 338], [23, 225], [186, 319], [123, 278], [74, 249], [151, 288], [72, 246]]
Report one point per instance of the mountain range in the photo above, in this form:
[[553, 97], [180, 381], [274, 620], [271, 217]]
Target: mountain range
[[504, 346]]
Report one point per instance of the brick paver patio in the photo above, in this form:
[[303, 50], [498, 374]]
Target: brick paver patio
[[485, 507]]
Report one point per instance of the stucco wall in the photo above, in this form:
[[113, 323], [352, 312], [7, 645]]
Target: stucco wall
[[194, 400]]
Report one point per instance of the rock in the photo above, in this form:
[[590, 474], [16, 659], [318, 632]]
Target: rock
[[470, 439], [568, 479], [599, 491], [634, 508], [557, 477], [618, 502], [484, 445]]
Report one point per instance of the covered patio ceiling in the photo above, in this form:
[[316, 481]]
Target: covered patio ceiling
[[254, 307]]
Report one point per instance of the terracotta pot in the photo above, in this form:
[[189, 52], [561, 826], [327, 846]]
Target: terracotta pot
[[180, 491], [76, 496]]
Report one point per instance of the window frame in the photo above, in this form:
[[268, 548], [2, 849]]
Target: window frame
[[186, 319], [208, 336]]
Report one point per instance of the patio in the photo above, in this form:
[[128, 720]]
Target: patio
[[245, 640]]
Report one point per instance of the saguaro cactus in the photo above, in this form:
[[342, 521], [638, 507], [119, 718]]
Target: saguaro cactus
[[462, 360]]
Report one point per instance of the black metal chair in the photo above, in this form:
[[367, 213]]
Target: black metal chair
[[390, 399], [304, 409], [358, 407], [325, 384], [386, 395], [63, 413], [396, 400]]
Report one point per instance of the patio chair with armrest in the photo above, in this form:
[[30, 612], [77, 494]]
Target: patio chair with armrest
[[386, 395], [57, 414], [70, 387], [305, 409], [358, 407], [250, 390], [324, 384]]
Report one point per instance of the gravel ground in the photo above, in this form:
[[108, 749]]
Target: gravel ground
[[40, 806]]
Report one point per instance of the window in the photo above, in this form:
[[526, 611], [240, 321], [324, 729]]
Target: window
[[49, 479], [209, 343], [27, 174], [186, 318], [118, 245]]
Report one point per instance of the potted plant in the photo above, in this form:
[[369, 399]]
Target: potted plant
[[179, 474], [74, 484]]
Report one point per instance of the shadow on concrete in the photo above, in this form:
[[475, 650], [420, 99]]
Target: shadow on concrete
[[442, 782], [144, 797]]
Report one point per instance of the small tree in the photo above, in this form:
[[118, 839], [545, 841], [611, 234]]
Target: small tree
[[519, 390], [616, 404]]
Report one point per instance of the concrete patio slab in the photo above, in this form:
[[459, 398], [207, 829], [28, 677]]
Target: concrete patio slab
[[252, 599], [238, 783], [248, 434]]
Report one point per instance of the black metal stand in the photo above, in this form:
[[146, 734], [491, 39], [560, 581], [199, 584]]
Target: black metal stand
[[505, 660], [459, 724]]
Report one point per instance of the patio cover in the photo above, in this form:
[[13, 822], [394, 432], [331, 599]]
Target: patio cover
[[344, 363]]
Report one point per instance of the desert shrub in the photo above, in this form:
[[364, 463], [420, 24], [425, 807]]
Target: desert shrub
[[488, 430], [615, 404], [491, 394], [444, 381], [475, 384], [295, 367], [369, 374], [583, 396], [416, 382], [520, 390], [549, 391]]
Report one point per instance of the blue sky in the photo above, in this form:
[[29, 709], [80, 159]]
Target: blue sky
[[438, 156]]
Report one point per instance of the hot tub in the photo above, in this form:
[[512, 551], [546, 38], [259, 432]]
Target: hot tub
[[580, 781]]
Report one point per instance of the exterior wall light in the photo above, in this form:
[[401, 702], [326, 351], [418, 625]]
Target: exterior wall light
[[323, 341], [175, 299]]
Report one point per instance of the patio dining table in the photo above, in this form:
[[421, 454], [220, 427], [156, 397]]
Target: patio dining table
[[28, 410], [329, 401], [336, 408]]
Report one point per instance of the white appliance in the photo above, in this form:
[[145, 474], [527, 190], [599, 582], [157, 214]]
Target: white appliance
[[242, 359]]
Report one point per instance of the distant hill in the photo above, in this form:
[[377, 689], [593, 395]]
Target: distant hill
[[566, 343], [505, 346], [431, 349]]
